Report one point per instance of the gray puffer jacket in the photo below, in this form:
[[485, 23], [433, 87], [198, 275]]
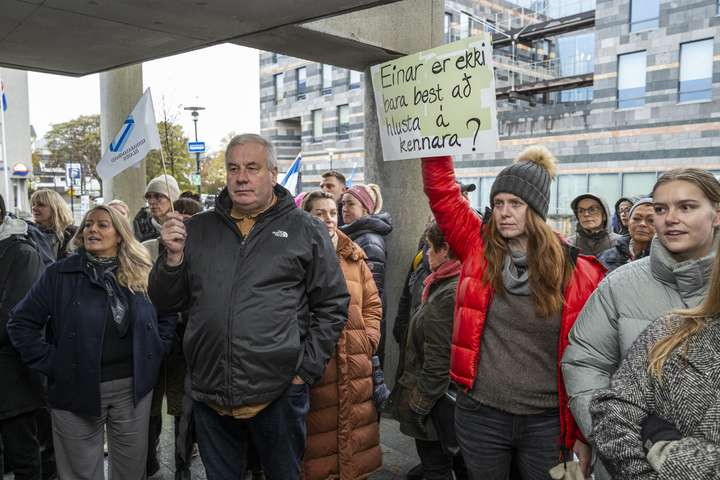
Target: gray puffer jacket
[[687, 397], [623, 305]]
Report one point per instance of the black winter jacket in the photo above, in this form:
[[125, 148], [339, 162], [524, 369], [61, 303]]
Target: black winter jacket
[[74, 309], [262, 308], [619, 255], [369, 233], [20, 267]]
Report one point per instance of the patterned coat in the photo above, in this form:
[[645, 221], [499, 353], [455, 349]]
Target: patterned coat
[[687, 397], [343, 437]]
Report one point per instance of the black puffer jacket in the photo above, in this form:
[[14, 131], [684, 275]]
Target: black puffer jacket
[[262, 308], [619, 255], [369, 232], [20, 266]]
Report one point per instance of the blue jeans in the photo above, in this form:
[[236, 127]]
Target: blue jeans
[[278, 433], [492, 441]]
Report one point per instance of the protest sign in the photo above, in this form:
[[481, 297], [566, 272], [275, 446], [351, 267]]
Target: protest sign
[[438, 102]]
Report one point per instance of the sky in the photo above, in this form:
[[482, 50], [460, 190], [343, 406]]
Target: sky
[[224, 79]]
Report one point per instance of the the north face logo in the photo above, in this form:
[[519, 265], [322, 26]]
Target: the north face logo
[[280, 234]]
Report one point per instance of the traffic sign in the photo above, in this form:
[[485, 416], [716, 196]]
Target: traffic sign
[[196, 147], [195, 179], [73, 171]]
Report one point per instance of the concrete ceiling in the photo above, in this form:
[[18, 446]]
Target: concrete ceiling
[[78, 37]]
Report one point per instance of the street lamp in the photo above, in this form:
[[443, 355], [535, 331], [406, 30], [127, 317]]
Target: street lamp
[[195, 116]]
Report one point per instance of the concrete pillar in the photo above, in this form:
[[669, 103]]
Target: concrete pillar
[[17, 135], [400, 181], [120, 90]]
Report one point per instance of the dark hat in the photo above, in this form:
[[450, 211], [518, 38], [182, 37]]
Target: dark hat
[[529, 178]]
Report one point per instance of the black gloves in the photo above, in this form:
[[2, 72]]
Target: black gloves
[[381, 392], [654, 429]]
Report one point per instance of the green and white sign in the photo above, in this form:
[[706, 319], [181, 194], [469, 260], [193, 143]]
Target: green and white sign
[[438, 102]]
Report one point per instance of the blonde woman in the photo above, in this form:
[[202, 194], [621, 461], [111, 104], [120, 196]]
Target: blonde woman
[[102, 351], [659, 418], [55, 220]]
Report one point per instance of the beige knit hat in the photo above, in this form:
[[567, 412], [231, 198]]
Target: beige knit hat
[[159, 185]]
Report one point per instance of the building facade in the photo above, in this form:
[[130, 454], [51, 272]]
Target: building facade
[[619, 90]]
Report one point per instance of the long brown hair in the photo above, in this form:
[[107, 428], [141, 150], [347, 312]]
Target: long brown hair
[[549, 266], [692, 320]]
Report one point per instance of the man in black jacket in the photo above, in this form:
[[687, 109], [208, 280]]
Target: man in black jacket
[[267, 302], [23, 392]]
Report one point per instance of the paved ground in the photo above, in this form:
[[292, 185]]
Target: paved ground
[[399, 454]]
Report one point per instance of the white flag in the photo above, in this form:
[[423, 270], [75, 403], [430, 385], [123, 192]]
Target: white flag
[[138, 135]]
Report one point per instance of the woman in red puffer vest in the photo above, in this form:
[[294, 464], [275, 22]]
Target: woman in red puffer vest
[[520, 291]]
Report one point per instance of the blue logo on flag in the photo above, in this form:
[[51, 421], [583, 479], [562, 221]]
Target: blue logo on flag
[[128, 126]]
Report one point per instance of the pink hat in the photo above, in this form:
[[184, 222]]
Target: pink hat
[[363, 197], [299, 199]]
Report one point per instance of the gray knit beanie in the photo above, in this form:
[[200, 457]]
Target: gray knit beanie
[[158, 185], [529, 178]]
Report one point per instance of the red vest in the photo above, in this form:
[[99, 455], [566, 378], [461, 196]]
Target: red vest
[[462, 228]]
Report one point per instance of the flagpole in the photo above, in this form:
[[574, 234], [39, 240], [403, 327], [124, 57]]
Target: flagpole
[[167, 184], [6, 172]]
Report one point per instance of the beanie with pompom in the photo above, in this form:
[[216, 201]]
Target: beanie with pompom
[[529, 178]]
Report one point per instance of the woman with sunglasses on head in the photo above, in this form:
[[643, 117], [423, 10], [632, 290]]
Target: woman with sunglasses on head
[[674, 276], [88, 325], [519, 292]]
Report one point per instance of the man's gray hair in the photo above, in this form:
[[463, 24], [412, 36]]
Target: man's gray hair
[[245, 138]]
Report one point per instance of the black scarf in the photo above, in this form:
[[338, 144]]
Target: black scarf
[[102, 271]]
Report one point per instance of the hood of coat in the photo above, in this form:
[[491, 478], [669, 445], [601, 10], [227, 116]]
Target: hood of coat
[[12, 226], [379, 223], [285, 202], [348, 249], [606, 209], [690, 278]]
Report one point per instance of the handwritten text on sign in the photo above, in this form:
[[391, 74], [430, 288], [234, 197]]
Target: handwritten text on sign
[[438, 102]]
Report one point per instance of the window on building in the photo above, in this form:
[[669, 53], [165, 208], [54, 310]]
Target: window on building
[[696, 71], [569, 187], [485, 186], [489, 26], [465, 22], [576, 55], [317, 126], [301, 82], [327, 78], [638, 184], [644, 15], [631, 79], [343, 113], [607, 185], [447, 27], [279, 86], [355, 79], [552, 206]]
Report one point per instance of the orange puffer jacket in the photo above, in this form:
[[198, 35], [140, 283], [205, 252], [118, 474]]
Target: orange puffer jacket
[[343, 437]]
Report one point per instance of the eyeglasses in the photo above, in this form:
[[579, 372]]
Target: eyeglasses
[[589, 211], [154, 196], [624, 210]]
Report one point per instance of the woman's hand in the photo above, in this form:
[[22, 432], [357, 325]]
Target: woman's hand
[[584, 454]]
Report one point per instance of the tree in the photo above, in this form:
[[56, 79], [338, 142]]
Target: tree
[[213, 169], [179, 164], [76, 141]]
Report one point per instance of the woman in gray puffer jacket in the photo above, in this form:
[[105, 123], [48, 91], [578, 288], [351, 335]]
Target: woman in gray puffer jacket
[[675, 276], [659, 420]]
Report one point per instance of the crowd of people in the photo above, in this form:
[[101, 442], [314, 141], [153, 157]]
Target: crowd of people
[[261, 323]]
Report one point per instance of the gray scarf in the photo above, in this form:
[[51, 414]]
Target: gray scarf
[[515, 273], [102, 272]]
